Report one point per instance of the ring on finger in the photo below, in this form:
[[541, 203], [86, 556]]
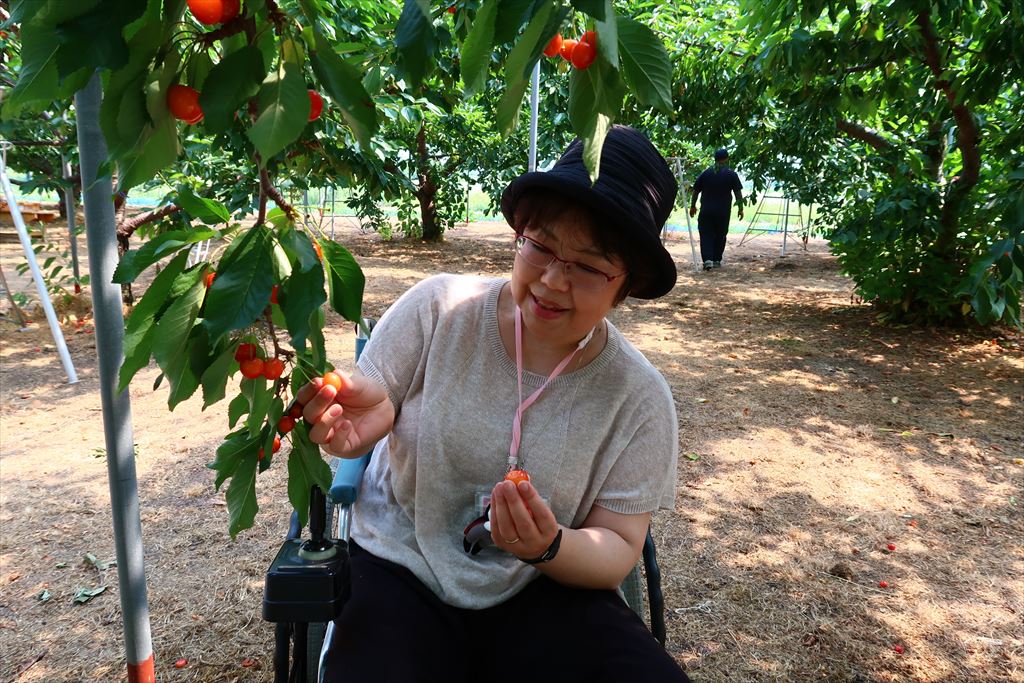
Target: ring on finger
[[514, 540]]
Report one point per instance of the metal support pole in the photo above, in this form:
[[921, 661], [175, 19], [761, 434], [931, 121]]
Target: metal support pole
[[69, 208], [785, 225], [534, 106], [37, 275], [117, 423]]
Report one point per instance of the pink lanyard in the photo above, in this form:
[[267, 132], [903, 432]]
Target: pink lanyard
[[517, 423]]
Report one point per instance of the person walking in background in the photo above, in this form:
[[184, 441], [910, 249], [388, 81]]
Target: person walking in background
[[716, 184]]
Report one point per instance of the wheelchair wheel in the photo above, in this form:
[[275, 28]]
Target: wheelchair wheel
[[314, 643]]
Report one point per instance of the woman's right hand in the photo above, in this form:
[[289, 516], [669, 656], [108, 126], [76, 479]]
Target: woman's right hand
[[346, 422]]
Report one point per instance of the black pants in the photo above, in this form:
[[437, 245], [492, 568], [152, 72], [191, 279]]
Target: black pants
[[713, 227], [395, 630]]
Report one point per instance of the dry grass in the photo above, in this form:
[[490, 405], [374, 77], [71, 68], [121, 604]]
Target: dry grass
[[811, 438]]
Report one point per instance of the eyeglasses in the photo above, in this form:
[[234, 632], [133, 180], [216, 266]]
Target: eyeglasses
[[579, 274]]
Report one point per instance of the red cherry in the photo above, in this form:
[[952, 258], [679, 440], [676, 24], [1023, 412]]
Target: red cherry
[[209, 278], [451, 9], [554, 46], [568, 45], [516, 476], [181, 663], [286, 424], [183, 103], [230, 11], [251, 368], [316, 105], [296, 411], [583, 55], [273, 368], [891, 547], [883, 584], [245, 352], [899, 649]]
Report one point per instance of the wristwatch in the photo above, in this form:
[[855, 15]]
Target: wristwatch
[[550, 553]]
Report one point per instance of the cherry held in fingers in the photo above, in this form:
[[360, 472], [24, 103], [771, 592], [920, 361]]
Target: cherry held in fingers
[[517, 476], [333, 379]]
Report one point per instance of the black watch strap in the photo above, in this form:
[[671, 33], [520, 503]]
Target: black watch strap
[[550, 553]]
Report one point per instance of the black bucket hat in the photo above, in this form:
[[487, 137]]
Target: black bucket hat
[[721, 154], [634, 193]]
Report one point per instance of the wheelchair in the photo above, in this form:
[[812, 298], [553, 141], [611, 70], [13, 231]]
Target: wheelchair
[[307, 584]]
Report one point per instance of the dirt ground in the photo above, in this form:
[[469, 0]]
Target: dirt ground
[[811, 439]]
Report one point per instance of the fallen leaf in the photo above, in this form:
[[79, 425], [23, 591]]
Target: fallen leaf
[[702, 400], [84, 595], [895, 399], [692, 456], [44, 595]]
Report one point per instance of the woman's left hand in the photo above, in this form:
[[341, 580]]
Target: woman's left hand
[[521, 522]]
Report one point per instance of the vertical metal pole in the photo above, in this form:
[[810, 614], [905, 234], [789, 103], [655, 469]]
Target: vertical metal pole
[[785, 224], [69, 208], [37, 275], [534, 106], [117, 424]]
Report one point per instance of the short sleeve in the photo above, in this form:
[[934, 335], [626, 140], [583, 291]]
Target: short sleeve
[[400, 341], [699, 185], [736, 184], [643, 476]]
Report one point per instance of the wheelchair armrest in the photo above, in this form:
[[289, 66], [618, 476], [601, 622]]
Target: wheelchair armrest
[[348, 478]]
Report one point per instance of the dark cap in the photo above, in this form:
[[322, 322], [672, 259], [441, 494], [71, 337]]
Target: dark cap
[[634, 193], [721, 154]]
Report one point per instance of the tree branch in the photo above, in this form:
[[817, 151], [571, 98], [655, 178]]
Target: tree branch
[[270, 191], [967, 129], [863, 134], [129, 226]]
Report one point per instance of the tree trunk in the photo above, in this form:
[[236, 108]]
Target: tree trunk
[[426, 192]]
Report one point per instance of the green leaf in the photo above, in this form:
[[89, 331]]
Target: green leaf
[[173, 332], [137, 260], [301, 295], [299, 248], [229, 85], [645, 65], [595, 97], [236, 446], [209, 211], [306, 468], [215, 378], [284, 111], [511, 14], [157, 148], [608, 36], [260, 395], [527, 50], [241, 496], [138, 337], [274, 413], [519, 65], [38, 84], [478, 46], [94, 39], [346, 281], [414, 39], [595, 8], [343, 83], [241, 290], [238, 407]]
